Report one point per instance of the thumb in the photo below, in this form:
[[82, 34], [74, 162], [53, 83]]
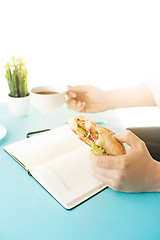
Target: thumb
[[128, 137], [76, 89], [72, 88]]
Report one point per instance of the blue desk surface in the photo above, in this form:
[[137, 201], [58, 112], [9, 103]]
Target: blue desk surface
[[27, 211]]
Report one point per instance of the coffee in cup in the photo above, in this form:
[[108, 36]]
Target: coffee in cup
[[47, 92], [47, 99]]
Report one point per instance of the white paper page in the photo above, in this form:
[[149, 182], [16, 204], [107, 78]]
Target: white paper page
[[68, 178], [44, 147]]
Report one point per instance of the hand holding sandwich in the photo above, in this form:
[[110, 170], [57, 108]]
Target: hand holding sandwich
[[135, 171]]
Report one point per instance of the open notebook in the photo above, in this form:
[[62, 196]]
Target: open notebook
[[59, 161]]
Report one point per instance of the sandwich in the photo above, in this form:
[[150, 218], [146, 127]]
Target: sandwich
[[100, 139]]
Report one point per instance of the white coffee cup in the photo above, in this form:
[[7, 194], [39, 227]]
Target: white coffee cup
[[47, 99]]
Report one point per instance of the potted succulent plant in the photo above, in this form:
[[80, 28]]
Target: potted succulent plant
[[16, 74]]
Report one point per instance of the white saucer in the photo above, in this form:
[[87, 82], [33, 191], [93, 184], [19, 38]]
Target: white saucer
[[3, 132]]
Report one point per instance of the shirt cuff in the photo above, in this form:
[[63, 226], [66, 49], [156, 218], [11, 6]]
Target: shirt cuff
[[153, 82], [154, 85]]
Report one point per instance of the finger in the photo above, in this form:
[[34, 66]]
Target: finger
[[108, 182], [75, 105], [80, 106], [71, 94], [108, 162], [108, 173], [71, 103], [128, 137]]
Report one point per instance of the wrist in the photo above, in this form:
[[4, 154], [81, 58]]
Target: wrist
[[112, 99], [108, 100]]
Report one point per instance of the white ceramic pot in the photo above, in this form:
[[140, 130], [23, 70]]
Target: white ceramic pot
[[19, 106]]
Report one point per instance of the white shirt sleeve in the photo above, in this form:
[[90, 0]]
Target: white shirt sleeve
[[154, 85]]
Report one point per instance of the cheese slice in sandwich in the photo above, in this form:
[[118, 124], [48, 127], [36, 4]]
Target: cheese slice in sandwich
[[100, 139]]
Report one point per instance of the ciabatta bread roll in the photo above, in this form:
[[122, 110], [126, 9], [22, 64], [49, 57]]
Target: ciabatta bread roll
[[100, 139]]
